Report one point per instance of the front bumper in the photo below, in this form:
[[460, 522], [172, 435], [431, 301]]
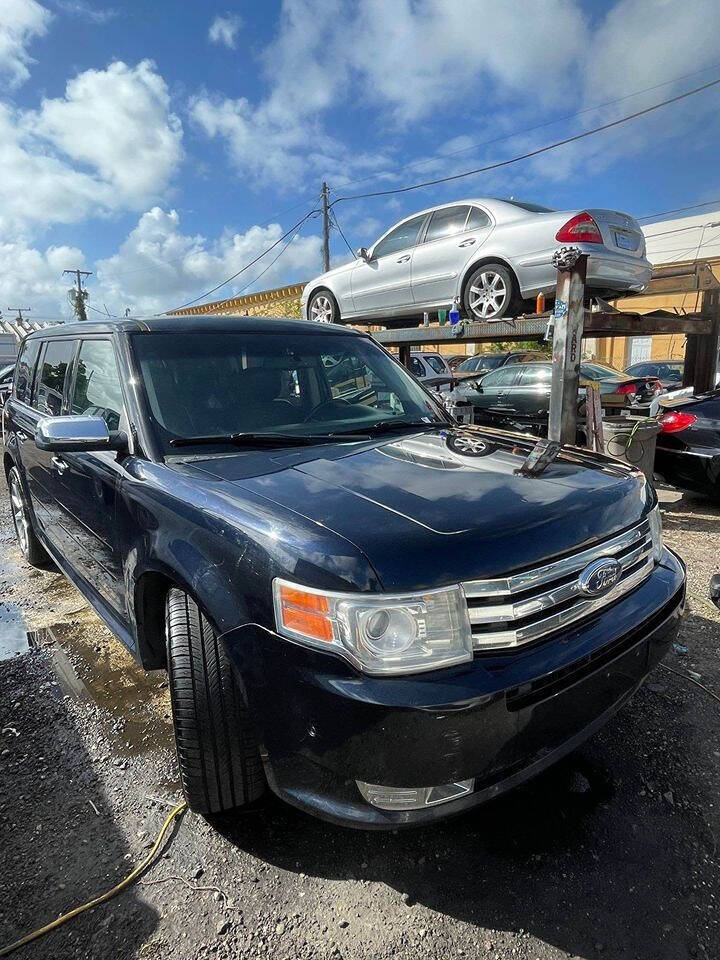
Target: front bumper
[[500, 719]]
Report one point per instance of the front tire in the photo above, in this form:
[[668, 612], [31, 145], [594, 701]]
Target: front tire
[[323, 308], [30, 547], [490, 293], [218, 756]]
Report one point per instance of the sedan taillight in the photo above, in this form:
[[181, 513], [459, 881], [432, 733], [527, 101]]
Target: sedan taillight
[[674, 421], [580, 229], [627, 388]]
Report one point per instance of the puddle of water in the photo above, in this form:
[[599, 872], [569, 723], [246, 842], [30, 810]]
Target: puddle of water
[[106, 675], [13, 631]]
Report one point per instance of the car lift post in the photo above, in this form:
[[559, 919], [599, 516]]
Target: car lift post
[[568, 318]]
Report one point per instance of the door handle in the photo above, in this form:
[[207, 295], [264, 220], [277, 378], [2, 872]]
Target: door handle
[[59, 464], [467, 243], [404, 259]]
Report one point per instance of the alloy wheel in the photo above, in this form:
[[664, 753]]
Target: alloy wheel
[[20, 520], [321, 309], [488, 297]]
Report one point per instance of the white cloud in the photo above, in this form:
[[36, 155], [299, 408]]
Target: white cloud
[[32, 276], [111, 143], [83, 9], [158, 267], [20, 22], [224, 30]]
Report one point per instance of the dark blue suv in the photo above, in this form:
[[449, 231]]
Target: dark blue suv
[[366, 608]]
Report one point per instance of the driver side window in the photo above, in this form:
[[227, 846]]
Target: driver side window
[[97, 391], [401, 238]]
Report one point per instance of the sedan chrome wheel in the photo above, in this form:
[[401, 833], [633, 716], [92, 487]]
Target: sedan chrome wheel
[[322, 309], [22, 526], [488, 295]]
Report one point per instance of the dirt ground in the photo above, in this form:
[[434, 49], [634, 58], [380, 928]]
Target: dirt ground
[[612, 854]]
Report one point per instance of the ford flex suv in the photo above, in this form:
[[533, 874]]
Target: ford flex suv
[[376, 614]]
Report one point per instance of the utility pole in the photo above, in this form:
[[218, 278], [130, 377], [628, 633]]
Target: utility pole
[[79, 296], [326, 227], [569, 315], [19, 312]]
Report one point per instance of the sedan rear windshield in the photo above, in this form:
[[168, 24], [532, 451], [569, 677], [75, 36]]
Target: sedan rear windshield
[[530, 207], [206, 385]]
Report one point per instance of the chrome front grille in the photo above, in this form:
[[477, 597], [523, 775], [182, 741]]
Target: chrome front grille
[[527, 606]]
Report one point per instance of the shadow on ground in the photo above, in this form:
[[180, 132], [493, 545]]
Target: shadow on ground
[[589, 858], [47, 780]]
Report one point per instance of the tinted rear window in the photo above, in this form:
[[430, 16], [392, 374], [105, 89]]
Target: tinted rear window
[[530, 207]]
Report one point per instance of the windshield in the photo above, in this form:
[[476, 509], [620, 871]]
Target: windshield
[[314, 384], [436, 363], [484, 361]]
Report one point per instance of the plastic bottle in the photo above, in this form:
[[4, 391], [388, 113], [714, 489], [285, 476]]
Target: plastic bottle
[[426, 319], [454, 316]]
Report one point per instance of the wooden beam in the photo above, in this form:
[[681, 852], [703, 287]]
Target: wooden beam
[[568, 330]]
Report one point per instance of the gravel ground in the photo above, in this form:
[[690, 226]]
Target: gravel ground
[[611, 854]]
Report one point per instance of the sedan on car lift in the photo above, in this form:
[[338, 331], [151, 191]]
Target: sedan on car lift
[[487, 255], [687, 451]]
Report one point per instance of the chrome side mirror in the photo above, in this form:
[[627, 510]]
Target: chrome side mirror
[[82, 434], [715, 589], [363, 254]]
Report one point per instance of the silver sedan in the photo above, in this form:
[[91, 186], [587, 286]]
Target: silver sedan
[[486, 255]]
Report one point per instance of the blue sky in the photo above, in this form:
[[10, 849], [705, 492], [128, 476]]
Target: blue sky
[[164, 145]]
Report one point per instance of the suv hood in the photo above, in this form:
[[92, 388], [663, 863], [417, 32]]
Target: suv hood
[[425, 514]]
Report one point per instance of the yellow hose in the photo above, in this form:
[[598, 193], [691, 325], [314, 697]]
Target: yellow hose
[[103, 898]]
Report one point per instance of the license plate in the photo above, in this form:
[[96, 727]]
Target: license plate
[[622, 240]]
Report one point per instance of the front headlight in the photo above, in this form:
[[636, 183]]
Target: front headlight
[[655, 521], [378, 633]]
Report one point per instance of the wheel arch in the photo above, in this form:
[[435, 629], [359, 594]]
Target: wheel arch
[[481, 261], [149, 600], [321, 287]]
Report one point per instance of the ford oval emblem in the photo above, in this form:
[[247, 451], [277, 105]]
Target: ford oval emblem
[[599, 576]]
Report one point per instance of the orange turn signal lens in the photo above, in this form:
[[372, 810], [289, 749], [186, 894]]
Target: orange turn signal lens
[[305, 613]]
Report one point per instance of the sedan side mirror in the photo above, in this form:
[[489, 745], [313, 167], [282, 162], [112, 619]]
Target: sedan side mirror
[[363, 254], [81, 434], [715, 589]]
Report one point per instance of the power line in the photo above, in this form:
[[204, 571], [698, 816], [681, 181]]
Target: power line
[[692, 206], [271, 264], [247, 265], [538, 126], [339, 228], [531, 153]]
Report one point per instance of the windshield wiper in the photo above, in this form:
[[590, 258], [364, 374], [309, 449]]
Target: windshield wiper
[[267, 439], [386, 426]]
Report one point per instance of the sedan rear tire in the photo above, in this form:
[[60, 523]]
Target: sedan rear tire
[[220, 766], [490, 293]]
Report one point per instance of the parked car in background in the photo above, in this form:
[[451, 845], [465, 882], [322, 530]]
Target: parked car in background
[[489, 255], [485, 362], [524, 388], [6, 381], [428, 366], [668, 372], [687, 451], [361, 606], [455, 359]]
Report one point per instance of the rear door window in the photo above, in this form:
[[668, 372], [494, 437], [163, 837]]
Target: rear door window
[[97, 391], [50, 386], [477, 219], [25, 370], [446, 223], [436, 363]]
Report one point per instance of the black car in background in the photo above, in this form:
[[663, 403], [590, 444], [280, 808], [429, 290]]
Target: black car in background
[[361, 606], [687, 451], [668, 372], [485, 362], [524, 389], [6, 382]]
